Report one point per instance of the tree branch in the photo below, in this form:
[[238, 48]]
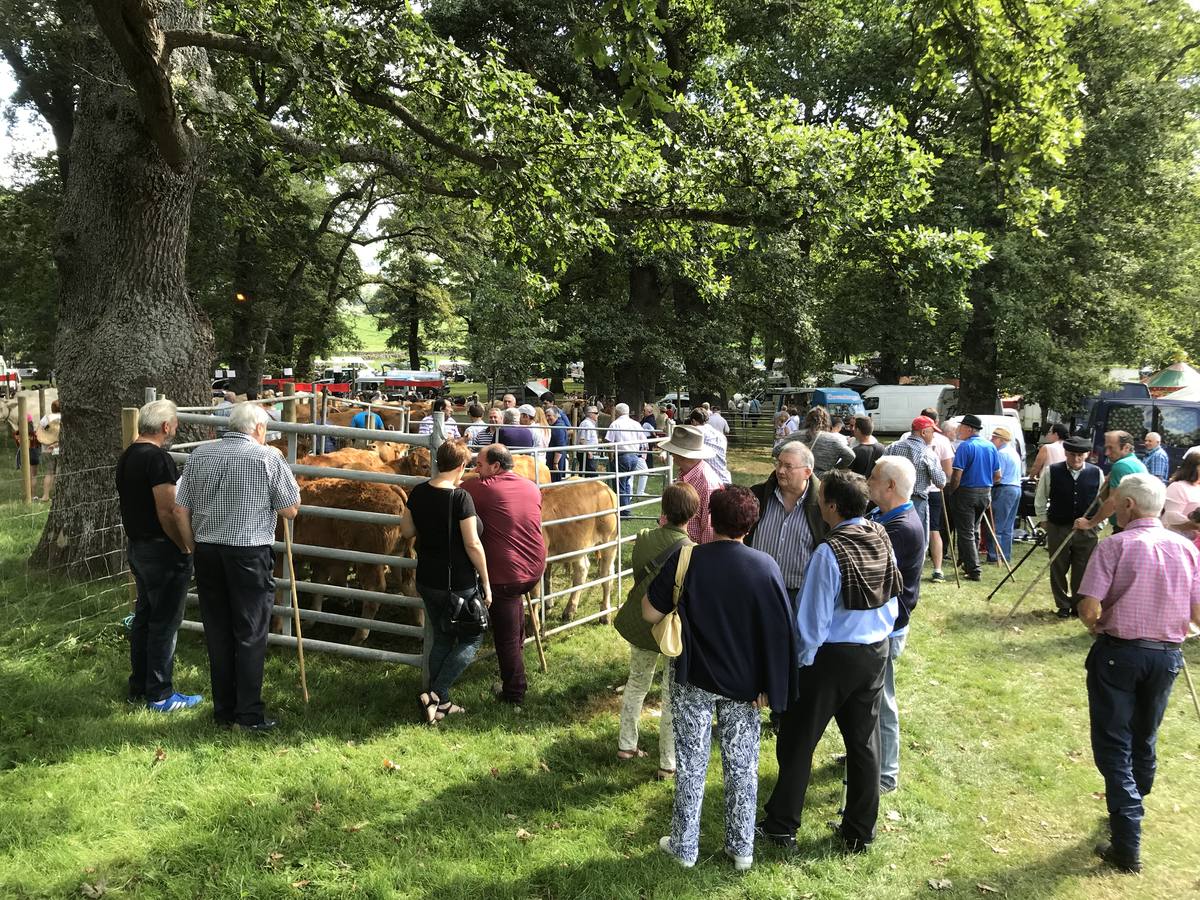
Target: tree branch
[[215, 40]]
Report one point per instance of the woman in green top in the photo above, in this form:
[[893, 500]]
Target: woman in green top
[[679, 504]]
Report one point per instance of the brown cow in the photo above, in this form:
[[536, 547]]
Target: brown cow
[[362, 536], [576, 497], [347, 458]]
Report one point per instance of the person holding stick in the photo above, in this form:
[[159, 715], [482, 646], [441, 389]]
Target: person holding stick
[[1118, 446], [976, 469], [1141, 591], [1065, 492], [225, 507]]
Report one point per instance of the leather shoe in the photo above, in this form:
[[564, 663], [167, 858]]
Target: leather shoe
[[785, 842], [263, 727], [1121, 861]]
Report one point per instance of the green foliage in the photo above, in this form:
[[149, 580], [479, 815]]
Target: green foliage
[[29, 284]]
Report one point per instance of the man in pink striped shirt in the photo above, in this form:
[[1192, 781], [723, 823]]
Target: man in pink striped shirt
[[1140, 591], [689, 452]]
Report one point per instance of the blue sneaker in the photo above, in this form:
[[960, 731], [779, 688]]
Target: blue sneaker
[[175, 703]]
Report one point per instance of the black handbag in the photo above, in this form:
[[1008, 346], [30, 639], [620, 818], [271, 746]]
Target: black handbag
[[466, 615]]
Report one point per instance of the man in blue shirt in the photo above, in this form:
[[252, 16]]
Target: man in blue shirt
[[847, 611], [1006, 495], [976, 469], [1156, 461], [361, 418]]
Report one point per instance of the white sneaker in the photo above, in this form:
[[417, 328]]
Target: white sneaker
[[740, 863], [664, 844]]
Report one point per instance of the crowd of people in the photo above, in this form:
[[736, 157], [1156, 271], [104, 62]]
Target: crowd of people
[[795, 594]]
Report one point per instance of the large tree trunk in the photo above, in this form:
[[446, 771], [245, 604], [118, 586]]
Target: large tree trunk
[[125, 320], [636, 378], [980, 380], [414, 331]]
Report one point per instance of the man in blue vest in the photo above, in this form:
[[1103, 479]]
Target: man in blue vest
[[1065, 492]]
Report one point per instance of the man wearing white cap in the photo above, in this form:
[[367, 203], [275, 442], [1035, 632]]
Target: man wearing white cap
[[689, 453]]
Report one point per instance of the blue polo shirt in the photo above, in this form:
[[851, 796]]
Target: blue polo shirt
[[978, 461]]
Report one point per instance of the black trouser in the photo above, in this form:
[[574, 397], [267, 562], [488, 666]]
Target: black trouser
[[969, 505], [236, 594], [844, 683], [162, 572]]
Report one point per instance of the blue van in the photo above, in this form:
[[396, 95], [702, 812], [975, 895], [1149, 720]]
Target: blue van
[[1178, 421]]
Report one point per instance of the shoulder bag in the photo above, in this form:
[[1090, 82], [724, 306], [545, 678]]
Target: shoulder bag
[[466, 615], [669, 631], [628, 621]]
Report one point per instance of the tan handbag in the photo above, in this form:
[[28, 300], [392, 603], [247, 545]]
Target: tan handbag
[[669, 632]]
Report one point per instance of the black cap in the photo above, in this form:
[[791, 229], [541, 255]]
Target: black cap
[[1077, 445], [971, 421]]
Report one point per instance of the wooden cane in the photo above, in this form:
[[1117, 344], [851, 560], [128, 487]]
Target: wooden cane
[[1191, 687], [537, 633], [1046, 568], [287, 536], [953, 558], [996, 542]]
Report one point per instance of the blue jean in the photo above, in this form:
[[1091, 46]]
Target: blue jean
[[1005, 500], [1128, 688], [921, 505], [162, 573], [889, 717], [627, 462], [449, 654]]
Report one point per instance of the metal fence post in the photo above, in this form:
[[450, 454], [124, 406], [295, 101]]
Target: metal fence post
[[289, 415], [23, 438]]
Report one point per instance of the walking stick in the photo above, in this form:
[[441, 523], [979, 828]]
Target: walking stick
[[537, 633], [287, 536], [1038, 541], [1191, 687], [1046, 568], [953, 558], [996, 543]]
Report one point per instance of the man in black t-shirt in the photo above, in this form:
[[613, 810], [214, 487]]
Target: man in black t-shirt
[[866, 449], [161, 565]]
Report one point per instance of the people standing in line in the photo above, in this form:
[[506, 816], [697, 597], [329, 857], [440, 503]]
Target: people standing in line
[[449, 426], [510, 508], [680, 502], [890, 487], [1065, 492], [976, 469], [631, 444], [928, 471], [442, 516], [49, 434], [939, 502], [690, 456], [714, 439], [226, 506], [159, 558], [1006, 494], [1118, 447], [1156, 461], [739, 651], [1140, 593], [586, 435], [847, 612], [866, 448], [830, 451], [790, 526], [1052, 450], [1183, 497]]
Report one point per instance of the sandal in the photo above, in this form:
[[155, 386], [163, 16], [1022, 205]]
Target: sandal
[[447, 709], [664, 774], [427, 703], [626, 755]]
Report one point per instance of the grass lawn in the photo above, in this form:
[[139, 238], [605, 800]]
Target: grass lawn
[[352, 798]]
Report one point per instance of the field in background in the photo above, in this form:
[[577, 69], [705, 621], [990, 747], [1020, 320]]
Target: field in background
[[352, 798]]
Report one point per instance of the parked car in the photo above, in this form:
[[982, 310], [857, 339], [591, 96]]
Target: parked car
[[892, 407]]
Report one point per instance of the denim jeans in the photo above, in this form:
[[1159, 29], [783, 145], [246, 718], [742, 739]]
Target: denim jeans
[[1128, 688], [969, 505], [628, 462], [921, 505], [162, 573], [449, 655], [889, 718], [1005, 500]]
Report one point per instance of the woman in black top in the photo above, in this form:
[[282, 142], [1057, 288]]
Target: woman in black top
[[450, 558]]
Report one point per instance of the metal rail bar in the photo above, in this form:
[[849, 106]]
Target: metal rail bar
[[354, 556], [281, 640], [336, 431], [352, 621], [349, 593]]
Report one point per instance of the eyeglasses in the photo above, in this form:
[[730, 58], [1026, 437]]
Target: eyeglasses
[[788, 467]]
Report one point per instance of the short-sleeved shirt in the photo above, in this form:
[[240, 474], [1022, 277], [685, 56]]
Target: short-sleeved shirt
[[510, 508], [360, 421], [1128, 465], [234, 488], [141, 468], [1010, 465], [978, 461], [865, 457], [436, 513], [943, 449]]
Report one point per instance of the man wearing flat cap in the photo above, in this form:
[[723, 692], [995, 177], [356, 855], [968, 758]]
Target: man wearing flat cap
[[1065, 492], [976, 469], [1006, 494], [690, 454]]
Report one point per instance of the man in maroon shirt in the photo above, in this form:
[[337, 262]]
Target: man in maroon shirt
[[510, 508]]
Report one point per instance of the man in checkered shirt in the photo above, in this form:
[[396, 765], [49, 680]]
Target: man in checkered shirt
[[226, 504]]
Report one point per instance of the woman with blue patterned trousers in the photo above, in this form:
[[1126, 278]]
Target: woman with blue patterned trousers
[[739, 650]]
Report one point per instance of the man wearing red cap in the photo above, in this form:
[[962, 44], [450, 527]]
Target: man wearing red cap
[[916, 448]]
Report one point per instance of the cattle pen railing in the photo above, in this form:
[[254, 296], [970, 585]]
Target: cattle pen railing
[[608, 452]]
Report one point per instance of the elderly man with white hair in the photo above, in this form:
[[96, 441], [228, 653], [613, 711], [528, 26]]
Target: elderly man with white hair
[[891, 486], [226, 508], [631, 444], [1140, 593], [586, 435], [1156, 461]]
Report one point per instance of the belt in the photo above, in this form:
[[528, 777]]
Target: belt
[[1145, 645], [843, 644]]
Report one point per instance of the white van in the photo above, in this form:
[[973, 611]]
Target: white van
[[892, 407], [1012, 425]]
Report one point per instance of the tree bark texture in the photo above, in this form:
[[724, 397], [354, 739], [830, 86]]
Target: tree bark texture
[[635, 379], [125, 320]]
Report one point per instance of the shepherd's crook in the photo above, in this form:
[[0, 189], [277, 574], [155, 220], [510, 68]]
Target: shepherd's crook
[[1061, 547], [996, 543], [287, 536]]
